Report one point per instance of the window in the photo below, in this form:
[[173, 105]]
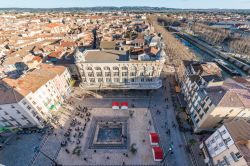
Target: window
[[28, 122], [24, 117], [99, 74], [124, 74], [108, 79], [0, 108], [116, 73], [33, 102], [132, 74], [149, 79], [231, 111], [28, 107], [117, 80], [195, 116], [124, 68], [227, 162], [115, 68], [12, 106], [97, 68], [12, 119], [33, 113], [226, 117], [142, 80], [84, 80], [197, 121], [221, 144], [227, 140], [216, 137], [106, 68], [92, 80], [89, 68], [142, 74], [100, 80], [18, 111], [235, 158], [107, 74], [6, 113], [132, 80], [215, 148], [91, 74], [202, 115], [224, 132], [238, 155]]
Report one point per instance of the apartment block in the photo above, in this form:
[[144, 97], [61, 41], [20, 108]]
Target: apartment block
[[228, 145], [211, 100], [29, 100]]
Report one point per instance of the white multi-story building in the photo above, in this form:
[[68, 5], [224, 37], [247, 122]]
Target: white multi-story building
[[228, 145], [112, 69], [29, 100]]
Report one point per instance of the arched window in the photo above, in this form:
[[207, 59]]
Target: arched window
[[149, 70], [133, 68], [115, 68], [106, 68], [88, 68], [97, 68], [124, 68]]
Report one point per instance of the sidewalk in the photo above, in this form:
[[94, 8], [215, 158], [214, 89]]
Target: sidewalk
[[192, 140]]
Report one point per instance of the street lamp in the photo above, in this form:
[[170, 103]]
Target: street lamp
[[170, 150]]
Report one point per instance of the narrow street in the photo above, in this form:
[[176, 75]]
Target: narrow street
[[164, 120]]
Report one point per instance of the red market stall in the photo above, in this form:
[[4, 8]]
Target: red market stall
[[115, 105], [154, 138], [124, 105], [157, 153]]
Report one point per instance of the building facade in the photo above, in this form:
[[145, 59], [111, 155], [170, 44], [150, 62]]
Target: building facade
[[30, 100], [212, 101], [117, 70], [228, 145]]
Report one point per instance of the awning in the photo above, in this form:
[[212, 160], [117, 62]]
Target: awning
[[157, 153], [115, 105], [124, 105], [154, 138]]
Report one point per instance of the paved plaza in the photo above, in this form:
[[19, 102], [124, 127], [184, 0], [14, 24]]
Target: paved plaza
[[138, 133], [152, 111], [20, 149]]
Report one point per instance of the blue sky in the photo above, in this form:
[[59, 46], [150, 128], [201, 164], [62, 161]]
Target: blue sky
[[233, 4]]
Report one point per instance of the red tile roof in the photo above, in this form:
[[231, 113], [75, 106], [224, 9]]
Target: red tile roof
[[55, 54], [53, 25]]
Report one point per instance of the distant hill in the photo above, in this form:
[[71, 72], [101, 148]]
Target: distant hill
[[123, 8]]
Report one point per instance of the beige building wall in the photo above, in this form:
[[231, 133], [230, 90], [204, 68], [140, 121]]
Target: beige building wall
[[213, 118], [241, 161]]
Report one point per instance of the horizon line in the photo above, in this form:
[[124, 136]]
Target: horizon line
[[123, 6]]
